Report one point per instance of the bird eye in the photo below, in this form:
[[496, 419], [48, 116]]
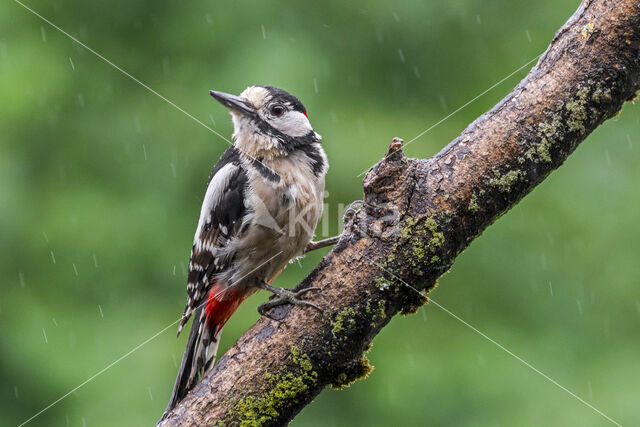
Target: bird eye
[[277, 110]]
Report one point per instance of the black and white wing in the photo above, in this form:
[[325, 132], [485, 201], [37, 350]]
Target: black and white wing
[[223, 210]]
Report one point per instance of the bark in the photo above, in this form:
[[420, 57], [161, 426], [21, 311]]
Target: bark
[[416, 217]]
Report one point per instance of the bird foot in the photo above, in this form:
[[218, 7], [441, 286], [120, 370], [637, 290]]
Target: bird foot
[[285, 296], [312, 246]]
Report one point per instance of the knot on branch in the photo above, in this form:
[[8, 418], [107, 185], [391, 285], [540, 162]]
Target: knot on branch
[[395, 148], [383, 176]]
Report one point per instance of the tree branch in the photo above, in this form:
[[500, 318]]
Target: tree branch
[[417, 216]]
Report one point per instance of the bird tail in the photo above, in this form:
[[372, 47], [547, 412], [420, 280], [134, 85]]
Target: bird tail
[[204, 337]]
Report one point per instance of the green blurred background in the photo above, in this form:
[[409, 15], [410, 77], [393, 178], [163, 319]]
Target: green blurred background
[[101, 183]]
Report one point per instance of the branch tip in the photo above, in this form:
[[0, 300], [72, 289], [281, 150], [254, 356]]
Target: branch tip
[[394, 146]]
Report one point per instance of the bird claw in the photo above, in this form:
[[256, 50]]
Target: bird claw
[[285, 296], [353, 208]]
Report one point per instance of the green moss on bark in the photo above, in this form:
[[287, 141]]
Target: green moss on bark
[[283, 387], [357, 371], [601, 94], [376, 313], [505, 182], [578, 112], [344, 319], [473, 204]]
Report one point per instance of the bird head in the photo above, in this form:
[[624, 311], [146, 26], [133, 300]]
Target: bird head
[[267, 121]]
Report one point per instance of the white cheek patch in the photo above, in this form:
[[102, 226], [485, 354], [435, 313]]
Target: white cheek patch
[[242, 125], [293, 123]]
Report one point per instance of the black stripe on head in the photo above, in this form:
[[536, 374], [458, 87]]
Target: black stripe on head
[[278, 94], [287, 142]]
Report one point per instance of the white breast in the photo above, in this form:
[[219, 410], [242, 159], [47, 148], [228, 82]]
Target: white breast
[[281, 219]]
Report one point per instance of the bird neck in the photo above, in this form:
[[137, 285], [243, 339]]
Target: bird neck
[[255, 146]]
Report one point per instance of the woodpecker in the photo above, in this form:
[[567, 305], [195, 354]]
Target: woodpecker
[[261, 206]]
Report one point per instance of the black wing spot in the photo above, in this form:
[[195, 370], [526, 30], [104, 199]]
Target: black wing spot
[[231, 209], [223, 221], [232, 155]]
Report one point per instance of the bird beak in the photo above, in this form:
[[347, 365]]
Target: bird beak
[[234, 103]]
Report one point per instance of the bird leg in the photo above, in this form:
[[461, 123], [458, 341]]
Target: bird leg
[[285, 296], [312, 246], [348, 215]]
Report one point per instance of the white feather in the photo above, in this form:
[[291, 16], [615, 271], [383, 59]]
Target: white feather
[[292, 123]]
